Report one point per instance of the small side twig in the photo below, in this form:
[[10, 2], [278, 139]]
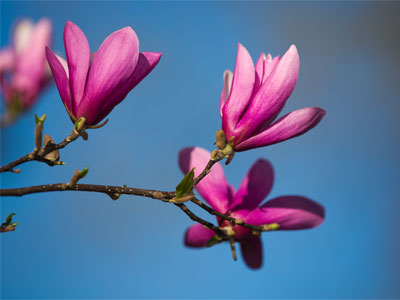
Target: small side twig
[[41, 154]]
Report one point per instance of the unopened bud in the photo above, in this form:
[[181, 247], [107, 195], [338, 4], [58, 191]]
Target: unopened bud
[[83, 172], [74, 178], [39, 131], [214, 154], [221, 139], [78, 175]]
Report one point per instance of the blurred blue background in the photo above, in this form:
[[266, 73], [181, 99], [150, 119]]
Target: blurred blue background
[[84, 245]]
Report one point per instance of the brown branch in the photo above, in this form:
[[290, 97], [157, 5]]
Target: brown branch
[[203, 222], [40, 154], [205, 172], [106, 189], [115, 191]]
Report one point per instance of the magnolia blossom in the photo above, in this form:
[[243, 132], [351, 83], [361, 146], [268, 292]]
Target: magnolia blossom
[[91, 85], [285, 212], [252, 98], [23, 67]]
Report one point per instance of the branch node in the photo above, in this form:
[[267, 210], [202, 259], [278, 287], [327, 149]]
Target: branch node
[[16, 171]]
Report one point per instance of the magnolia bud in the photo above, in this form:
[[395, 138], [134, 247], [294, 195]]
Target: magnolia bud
[[221, 140]]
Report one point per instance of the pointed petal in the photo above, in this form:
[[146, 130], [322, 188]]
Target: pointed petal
[[242, 88], [197, 236], [255, 186], [213, 188], [64, 64], [260, 67], [7, 60], [113, 64], [289, 126], [228, 76], [290, 212], [22, 34], [251, 248], [146, 63], [272, 95], [78, 55], [60, 77], [269, 66]]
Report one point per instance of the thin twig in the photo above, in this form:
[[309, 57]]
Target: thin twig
[[206, 170], [40, 155], [106, 189], [115, 191], [233, 221], [112, 191], [203, 222]]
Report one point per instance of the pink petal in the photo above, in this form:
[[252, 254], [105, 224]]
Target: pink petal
[[272, 95], [213, 188], [7, 60], [30, 64], [260, 68], [255, 186], [242, 88], [112, 66], [290, 212], [264, 67], [78, 56], [197, 236], [22, 35], [60, 77], [269, 66], [228, 76], [289, 126], [64, 63], [251, 248], [146, 63]]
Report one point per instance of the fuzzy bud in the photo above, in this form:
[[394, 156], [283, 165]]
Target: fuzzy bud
[[221, 139]]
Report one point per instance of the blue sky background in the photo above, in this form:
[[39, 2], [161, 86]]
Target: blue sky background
[[83, 245]]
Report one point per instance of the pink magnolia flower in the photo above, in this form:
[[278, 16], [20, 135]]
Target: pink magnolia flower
[[91, 85], [252, 98], [23, 67], [289, 212]]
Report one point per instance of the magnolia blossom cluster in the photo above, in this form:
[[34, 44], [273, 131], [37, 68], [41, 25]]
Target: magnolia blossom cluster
[[91, 84], [24, 71], [282, 213]]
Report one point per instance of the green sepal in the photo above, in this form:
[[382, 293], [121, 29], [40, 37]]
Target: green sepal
[[186, 184], [14, 224], [213, 241], [80, 123], [41, 119], [83, 173]]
